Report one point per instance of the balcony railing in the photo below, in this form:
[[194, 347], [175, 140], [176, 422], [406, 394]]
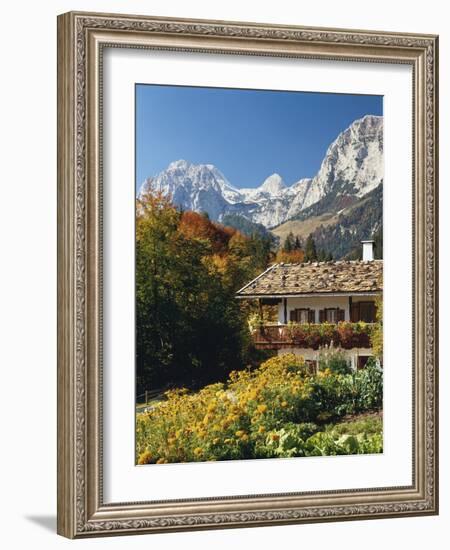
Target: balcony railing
[[310, 335]]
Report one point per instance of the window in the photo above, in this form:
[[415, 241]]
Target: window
[[302, 315], [331, 315], [367, 312], [362, 361], [363, 311]]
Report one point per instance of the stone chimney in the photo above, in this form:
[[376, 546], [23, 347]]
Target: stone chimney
[[368, 247]]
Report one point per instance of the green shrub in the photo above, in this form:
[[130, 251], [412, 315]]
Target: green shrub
[[341, 439], [326, 443], [334, 359], [369, 387], [369, 425]]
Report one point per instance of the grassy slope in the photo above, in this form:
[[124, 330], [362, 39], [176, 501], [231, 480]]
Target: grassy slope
[[303, 228]]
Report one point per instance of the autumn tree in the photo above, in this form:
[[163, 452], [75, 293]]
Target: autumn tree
[[292, 257], [190, 329]]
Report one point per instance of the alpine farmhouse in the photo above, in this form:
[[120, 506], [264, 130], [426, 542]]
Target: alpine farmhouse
[[317, 292]]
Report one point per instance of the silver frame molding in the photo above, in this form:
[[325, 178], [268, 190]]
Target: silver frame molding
[[81, 39]]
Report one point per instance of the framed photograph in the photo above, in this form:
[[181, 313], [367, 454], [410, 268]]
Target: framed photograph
[[247, 284]]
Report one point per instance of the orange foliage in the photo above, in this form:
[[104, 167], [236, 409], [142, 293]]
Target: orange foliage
[[295, 256], [198, 226]]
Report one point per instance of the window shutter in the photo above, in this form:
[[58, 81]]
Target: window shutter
[[341, 314], [311, 316], [354, 313], [293, 315], [367, 312], [321, 315]]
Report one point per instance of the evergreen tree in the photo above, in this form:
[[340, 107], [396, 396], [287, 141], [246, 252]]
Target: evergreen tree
[[297, 243], [310, 250], [378, 238], [289, 243]]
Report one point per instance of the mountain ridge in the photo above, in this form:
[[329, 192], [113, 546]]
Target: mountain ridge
[[352, 168]]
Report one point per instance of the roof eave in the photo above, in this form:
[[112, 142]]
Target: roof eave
[[312, 294]]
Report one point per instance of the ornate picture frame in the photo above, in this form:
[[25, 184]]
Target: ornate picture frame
[[82, 39]]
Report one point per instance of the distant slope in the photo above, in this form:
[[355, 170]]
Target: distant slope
[[359, 222], [303, 228], [339, 233]]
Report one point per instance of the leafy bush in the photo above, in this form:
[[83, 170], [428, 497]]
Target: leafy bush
[[371, 424], [275, 410], [369, 387], [327, 443], [341, 439], [376, 338], [334, 359]]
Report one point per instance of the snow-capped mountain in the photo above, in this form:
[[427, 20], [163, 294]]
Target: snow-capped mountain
[[199, 187], [273, 186], [353, 166]]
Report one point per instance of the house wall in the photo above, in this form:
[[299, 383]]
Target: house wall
[[313, 355], [320, 302]]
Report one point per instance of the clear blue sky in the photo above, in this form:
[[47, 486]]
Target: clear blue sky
[[247, 134]]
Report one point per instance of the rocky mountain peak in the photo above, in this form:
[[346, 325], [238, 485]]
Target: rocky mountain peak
[[353, 167], [273, 185], [179, 164]]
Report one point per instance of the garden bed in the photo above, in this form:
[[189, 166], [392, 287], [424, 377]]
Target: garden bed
[[277, 410]]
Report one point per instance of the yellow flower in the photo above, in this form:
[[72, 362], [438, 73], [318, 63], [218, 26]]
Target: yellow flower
[[261, 429], [160, 461], [284, 404], [274, 437], [228, 440], [144, 458], [262, 408], [198, 451], [240, 433], [216, 440]]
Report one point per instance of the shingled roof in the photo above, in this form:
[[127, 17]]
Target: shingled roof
[[338, 277]]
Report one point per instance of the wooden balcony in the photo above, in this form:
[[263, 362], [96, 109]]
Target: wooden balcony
[[310, 335]]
